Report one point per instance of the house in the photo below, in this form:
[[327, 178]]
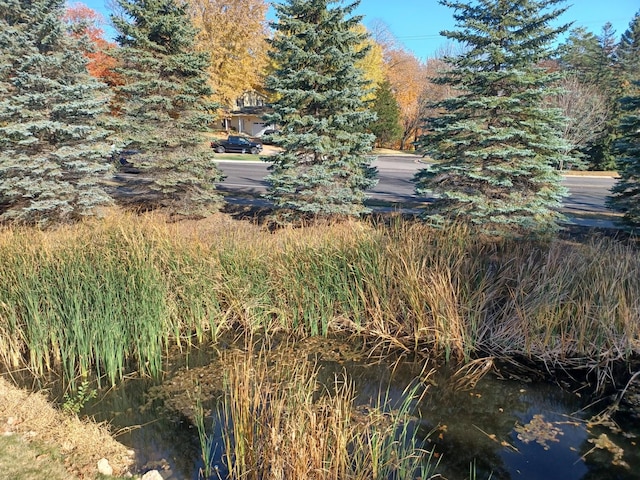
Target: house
[[246, 114]]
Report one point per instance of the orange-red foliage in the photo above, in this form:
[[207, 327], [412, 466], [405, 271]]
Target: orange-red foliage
[[100, 64]]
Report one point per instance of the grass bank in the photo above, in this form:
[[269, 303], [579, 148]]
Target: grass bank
[[38, 441], [110, 296]]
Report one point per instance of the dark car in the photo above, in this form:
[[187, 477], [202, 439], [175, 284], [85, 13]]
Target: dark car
[[237, 144], [123, 164]]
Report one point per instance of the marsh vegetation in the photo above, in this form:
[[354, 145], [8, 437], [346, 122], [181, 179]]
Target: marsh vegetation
[[105, 299], [110, 297]]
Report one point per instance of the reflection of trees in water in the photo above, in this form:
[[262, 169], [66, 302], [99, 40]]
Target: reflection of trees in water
[[465, 426], [480, 427]]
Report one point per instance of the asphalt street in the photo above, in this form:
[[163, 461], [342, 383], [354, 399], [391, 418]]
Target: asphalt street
[[587, 194]]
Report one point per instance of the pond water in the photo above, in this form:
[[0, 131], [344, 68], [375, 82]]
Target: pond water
[[505, 428]]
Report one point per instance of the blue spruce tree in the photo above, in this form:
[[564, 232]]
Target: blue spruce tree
[[324, 169], [162, 107], [53, 154], [495, 144]]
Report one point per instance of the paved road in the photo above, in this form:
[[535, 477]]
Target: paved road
[[587, 194]]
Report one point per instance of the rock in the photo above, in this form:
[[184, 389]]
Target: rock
[[152, 475], [104, 468]]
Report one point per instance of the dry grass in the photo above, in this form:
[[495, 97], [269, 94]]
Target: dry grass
[[44, 437], [106, 297], [280, 423]]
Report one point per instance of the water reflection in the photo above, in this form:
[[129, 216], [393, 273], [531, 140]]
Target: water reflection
[[508, 429]]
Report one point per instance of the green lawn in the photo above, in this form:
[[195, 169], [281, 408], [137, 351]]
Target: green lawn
[[237, 156]]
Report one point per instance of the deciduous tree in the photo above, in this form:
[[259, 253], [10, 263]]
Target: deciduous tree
[[592, 60], [434, 92], [372, 64], [587, 112], [324, 168], [496, 143], [163, 108], [53, 154], [234, 34], [409, 81], [84, 23]]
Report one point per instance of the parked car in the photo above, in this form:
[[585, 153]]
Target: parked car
[[123, 164], [265, 133], [237, 144]]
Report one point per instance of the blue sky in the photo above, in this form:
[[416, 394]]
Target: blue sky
[[417, 23]]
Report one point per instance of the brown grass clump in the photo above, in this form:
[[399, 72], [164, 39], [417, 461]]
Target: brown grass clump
[[281, 423], [29, 417]]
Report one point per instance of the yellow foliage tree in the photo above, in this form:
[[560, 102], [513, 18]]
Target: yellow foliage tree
[[234, 32], [410, 83], [372, 65]]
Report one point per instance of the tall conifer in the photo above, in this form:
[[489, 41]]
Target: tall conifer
[[496, 143], [626, 191], [387, 127], [52, 153], [162, 108], [324, 169], [618, 140], [628, 51], [607, 76]]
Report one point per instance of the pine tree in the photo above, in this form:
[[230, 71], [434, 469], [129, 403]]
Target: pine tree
[[162, 106], [52, 151], [387, 127], [581, 55], [607, 79], [496, 143], [626, 191], [324, 169], [628, 51], [593, 60]]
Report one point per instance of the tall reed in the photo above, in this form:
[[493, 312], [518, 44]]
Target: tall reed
[[109, 296], [205, 438], [82, 307], [280, 423]]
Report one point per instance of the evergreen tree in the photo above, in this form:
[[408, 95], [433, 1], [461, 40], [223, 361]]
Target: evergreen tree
[[387, 127], [324, 169], [606, 60], [608, 81], [628, 51], [593, 60], [162, 106], [616, 82], [52, 152], [581, 55], [496, 143], [626, 191]]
